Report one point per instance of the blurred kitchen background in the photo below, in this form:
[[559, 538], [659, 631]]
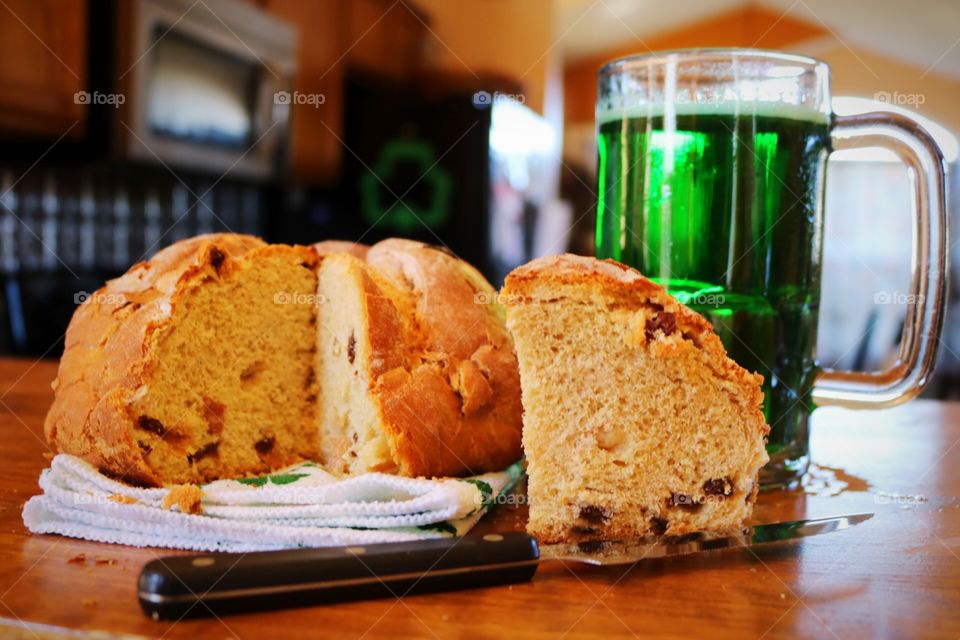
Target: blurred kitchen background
[[126, 125]]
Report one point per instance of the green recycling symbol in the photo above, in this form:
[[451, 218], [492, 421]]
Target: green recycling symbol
[[401, 215]]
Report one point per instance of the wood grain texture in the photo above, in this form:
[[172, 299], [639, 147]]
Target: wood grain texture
[[895, 576], [43, 48]]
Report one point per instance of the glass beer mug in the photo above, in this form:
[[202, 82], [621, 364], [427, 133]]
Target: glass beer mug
[[711, 182]]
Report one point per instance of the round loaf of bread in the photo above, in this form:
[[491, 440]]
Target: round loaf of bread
[[221, 357]]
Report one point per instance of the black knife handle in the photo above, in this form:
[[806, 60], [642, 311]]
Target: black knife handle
[[180, 586]]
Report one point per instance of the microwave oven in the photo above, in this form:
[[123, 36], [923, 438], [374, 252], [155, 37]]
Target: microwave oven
[[204, 86]]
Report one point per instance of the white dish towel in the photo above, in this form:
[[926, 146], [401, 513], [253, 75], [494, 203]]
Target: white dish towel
[[300, 506]]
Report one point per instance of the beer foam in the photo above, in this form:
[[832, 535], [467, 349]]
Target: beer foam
[[733, 109]]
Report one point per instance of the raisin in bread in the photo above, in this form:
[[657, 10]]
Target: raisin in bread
[[636, 422], [415, 366], [195, 365]]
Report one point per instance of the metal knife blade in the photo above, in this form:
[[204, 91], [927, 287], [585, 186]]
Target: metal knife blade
[[219, 583], [630, 551]]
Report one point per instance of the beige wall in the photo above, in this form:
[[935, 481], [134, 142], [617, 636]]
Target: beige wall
[[747, 26], [864, 74], [513, 38]]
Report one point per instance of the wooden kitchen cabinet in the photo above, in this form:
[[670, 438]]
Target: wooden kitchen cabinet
[[43, 48], [378, 35], [314, 148], [43, 53]]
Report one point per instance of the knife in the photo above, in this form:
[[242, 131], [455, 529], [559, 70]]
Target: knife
[[220, 583]]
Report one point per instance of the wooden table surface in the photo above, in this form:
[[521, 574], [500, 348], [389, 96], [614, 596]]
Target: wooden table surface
[[895, 576]]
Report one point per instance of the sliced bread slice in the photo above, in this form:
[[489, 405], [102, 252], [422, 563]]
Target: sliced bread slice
[[636, 422]]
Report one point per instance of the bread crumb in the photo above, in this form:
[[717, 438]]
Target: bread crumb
[[101, 561], [80, 558], [116, 497], [185, 497]]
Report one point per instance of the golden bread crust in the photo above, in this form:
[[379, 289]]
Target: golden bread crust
[[444, 371], [331, 247]]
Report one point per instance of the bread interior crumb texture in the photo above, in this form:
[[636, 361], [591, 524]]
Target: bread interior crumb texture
[[631, 427], [231, 389]]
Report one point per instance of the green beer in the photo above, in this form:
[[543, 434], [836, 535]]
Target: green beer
[[711, 181], [723, 205]]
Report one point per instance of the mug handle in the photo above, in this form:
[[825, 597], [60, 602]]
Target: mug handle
[[921, 331]]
